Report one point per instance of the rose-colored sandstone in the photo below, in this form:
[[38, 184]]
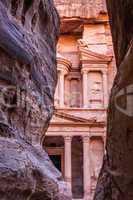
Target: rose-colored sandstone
[[76, 137]]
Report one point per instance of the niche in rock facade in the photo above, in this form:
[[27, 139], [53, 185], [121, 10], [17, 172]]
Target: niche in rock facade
[[95, 93], [75, 93]]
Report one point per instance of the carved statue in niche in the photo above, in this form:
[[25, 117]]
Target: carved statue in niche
[[75, 99], [97, 91], [95, 87]]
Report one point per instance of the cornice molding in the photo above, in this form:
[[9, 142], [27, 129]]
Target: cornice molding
[[74, 120]]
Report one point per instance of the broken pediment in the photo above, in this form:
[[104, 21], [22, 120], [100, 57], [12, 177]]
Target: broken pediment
[[89, 56], [80, 8], [62, 117], [93, 57], [63, 64]]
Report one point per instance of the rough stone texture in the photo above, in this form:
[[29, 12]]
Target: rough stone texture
[[28, 35], [116, 178], [78, 11], [80, 8], [85, 50]]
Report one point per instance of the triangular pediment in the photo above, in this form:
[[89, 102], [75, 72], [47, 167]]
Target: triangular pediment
[[59, 119], [62, 117], [87, 55]]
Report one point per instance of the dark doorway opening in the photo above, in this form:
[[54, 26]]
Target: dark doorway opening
[[77, 168], [56, 159], [54, 146]]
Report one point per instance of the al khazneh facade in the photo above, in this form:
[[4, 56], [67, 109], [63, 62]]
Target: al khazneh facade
[[76, 137]]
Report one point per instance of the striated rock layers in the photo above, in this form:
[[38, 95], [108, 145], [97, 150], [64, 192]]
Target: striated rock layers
[[116, 178], [28, 34]]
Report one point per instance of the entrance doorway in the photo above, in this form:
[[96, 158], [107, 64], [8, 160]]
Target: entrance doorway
[[54, 146], [56, 159], [56, 155]]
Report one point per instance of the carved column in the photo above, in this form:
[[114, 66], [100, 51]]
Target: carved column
[[87, 167], [61, 87], [105, 88], [56, 97], [104, 138], [68, 162], [85, 88]]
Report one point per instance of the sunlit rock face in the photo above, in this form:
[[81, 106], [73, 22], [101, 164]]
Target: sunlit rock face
[[86, 69], [28, 34], [80, 8], [79, 11]]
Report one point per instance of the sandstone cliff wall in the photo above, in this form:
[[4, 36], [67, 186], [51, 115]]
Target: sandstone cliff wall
[[28, 36]]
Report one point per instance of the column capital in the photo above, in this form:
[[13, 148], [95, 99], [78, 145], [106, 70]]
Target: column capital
[[86, 138], [84, 71], [68, 138]]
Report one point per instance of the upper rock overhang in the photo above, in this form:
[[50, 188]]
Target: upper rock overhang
[[76, 24]]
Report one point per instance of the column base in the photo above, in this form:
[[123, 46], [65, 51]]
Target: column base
[[87, 196], [69, 184]]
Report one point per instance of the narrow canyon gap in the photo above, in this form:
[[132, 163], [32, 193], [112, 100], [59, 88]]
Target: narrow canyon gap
[[76, 136]]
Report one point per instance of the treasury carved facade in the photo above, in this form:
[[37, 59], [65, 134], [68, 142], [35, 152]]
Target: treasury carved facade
[[76, 137]]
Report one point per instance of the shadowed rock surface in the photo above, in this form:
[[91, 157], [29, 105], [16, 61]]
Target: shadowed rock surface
[[29, 31], [116, 178]]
